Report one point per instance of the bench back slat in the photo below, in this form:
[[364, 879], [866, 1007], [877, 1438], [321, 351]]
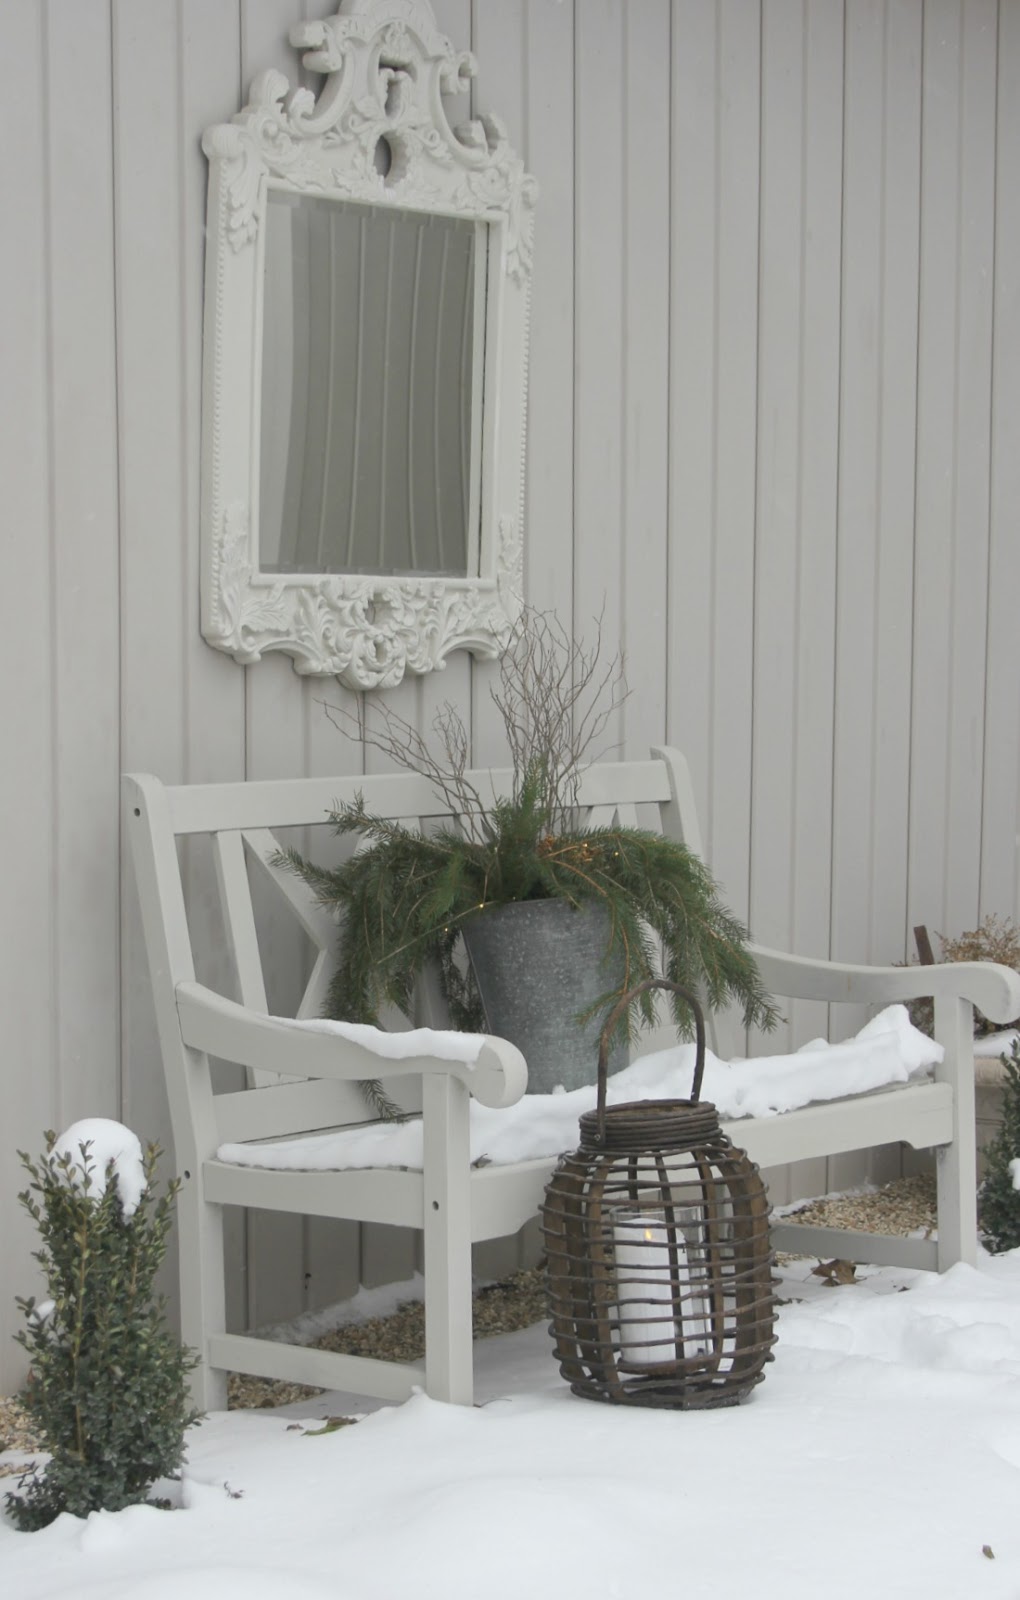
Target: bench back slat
[[298, 1106], [262, 846], [299, 802], [239, 919]]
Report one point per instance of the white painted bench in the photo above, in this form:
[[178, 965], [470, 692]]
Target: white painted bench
[[301, 1081]]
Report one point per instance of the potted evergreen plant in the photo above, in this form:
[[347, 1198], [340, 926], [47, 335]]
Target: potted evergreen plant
[[589, 906]]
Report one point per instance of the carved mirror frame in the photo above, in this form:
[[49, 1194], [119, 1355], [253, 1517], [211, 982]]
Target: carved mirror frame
[[386, 71]]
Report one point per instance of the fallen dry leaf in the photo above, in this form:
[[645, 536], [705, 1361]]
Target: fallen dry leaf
[[836, 1272], [330, 1425]]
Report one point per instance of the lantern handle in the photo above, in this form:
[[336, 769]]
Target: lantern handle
[[610, 1023]]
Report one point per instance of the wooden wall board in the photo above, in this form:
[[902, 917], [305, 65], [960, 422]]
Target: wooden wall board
[[599, 120], [799, 313], [517, 52], [1000, 823], [548, 147], [278, 717], [84, 543], [734, 264], [975, 243], [876, 513], [713, 349], [644, 380], [884, 936], [801, 152], [951, 553], [28, 795], [715, 119], [876, 551], [495, 34], [814, 624], [155, 633], [208, 91]]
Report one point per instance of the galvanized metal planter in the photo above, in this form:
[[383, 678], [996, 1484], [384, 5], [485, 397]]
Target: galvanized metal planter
[[659, 1263], [538, 964]]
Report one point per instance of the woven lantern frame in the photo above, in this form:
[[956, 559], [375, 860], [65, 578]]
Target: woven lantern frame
[[656, 1229]]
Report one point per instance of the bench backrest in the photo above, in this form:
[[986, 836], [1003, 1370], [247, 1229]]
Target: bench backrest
[[243, 822]]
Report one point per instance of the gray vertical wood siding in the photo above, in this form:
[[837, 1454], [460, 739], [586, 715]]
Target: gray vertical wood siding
[[774, 412]]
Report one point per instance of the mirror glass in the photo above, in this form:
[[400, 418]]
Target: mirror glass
[[371, 389]]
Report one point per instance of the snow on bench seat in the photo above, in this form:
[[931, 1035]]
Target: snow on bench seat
[[888, 1051]]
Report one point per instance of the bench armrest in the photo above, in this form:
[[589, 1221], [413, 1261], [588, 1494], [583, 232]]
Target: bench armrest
[[233, 1032], [993, 989]]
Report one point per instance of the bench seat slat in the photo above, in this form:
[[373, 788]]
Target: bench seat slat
[[326, 1369], [883, 1250], [299, 1106], [374, 1194]]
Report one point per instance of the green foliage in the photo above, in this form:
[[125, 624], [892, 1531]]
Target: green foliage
[[404, 897], [999, 1200], [108, 1383]]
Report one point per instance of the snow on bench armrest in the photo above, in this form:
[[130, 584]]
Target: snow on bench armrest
[[493, 1069]]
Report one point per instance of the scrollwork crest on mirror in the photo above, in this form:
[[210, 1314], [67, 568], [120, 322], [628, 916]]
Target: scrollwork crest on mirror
[[365, 363]]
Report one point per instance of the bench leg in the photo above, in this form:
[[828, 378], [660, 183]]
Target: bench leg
[[449, 1353], [203, 1296], [956, 1163]]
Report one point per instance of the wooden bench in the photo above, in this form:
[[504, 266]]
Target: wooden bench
[[299, 1081]]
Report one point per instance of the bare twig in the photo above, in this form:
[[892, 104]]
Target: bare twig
[[555, 696], [444, 768]]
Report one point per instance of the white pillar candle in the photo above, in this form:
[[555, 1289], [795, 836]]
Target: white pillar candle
[[644, 1288], [647, 1293]]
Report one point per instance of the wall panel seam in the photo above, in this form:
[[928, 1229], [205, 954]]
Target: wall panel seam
[[574, 37], [185, 532], [992, 453], [669, 487], [911, 773], [756, 444], [798, 510], [870, 953], [53, 709], [954, 464], [121, 883], [711, 687], [621, 488]]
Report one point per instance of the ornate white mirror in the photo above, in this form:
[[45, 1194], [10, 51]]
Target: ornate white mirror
[[365, 366]]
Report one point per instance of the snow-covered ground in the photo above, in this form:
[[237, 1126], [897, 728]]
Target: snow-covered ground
[[880, 1458]]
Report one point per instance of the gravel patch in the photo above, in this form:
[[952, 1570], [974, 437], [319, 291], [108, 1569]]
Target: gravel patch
[[906, 1206], [504, 1307], [15, 1434]]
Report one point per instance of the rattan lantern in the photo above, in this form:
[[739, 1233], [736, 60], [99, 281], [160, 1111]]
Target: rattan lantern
[[659, 1263]]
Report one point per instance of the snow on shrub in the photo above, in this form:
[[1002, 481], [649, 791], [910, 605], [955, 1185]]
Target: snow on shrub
[[107, 1387]]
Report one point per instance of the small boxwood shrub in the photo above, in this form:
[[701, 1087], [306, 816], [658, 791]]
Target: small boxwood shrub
[[107, 1388], [998, 1198]]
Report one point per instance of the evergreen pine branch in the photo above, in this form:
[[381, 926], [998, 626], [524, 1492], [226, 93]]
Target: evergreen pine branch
[[402, 899]]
